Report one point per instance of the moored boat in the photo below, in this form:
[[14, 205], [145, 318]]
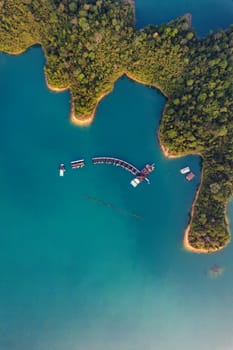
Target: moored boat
[[185, 170], [62, 169], [142, 175], [135, 182]]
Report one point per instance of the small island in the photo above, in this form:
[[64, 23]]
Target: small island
[[89, 44]]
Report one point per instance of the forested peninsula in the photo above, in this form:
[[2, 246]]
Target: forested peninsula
[[89, 44]]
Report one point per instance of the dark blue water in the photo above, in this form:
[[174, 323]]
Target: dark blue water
[[75, 274], [206, 14]]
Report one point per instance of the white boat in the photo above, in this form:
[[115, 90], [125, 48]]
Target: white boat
[[62, 169], [185, 170], [135, 182]]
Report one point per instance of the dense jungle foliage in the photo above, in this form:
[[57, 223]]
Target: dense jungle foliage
[[198, 119], [88, 44]]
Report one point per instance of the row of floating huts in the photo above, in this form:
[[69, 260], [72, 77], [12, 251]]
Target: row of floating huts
[[140, 175]]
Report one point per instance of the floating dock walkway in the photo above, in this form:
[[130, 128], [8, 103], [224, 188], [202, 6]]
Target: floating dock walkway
[[141, 175], [118, 162]]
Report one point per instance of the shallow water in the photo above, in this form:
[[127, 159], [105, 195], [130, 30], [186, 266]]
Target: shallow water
[[75, 274]]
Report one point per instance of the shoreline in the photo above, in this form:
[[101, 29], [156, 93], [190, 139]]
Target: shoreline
[[88, 120], [186, 244], [73, 118], [189, 18], [16, 53], [81, 122], [133, 5], [55, 88], [19, 52], [130, 76]]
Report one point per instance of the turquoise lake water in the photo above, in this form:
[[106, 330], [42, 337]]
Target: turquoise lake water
[[75, 274]]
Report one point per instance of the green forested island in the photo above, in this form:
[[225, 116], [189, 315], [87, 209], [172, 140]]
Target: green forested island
[[88, 44]]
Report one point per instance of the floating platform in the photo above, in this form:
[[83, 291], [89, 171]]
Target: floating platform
[[75, 164], [190, 176], [135, 182], [185, 170], [62, 169], [149, 168]]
